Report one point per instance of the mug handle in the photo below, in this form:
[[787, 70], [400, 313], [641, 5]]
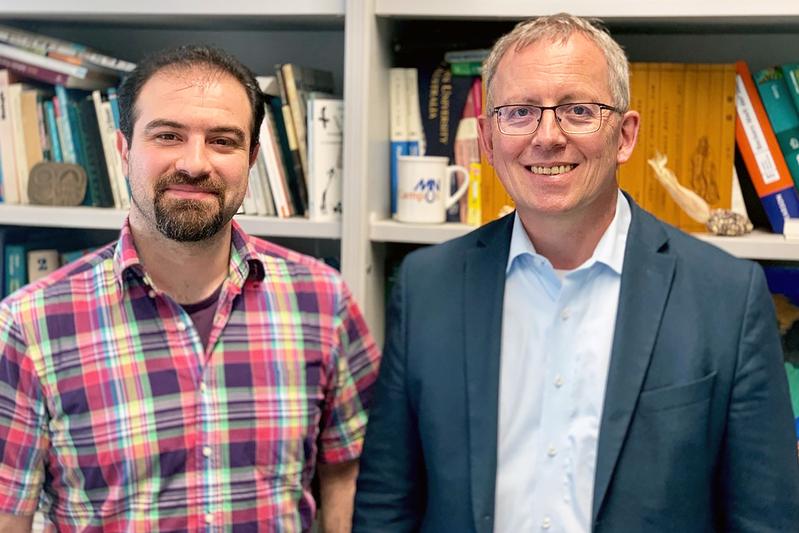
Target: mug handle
[[451, 170]]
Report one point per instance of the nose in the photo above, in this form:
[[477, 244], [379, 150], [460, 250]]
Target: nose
[[548, 132], [193, 159]]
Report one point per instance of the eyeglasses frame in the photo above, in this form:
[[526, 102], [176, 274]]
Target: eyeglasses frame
[[543, 108]]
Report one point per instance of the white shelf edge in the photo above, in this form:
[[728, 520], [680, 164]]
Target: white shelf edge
[[508, 9], [150, 8], [112, 219], [756, 245]]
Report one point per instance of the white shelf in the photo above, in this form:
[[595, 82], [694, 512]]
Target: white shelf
[[622, 9], [391, 231], [102, 9], [756, 245], [112, 219]]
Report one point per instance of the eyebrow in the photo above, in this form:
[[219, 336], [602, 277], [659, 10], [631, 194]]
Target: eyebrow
[[165, 123]]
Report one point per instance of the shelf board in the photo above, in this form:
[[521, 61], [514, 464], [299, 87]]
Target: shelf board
[[612, 9], [156, 12], [112, 219], [756, 245]]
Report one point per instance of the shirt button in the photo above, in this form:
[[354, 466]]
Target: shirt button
[[209, 518], [151, 293], [203, 387], [552, 451], [565, 314], [545, 523], [207, 451], [558, 381], [181, 326]]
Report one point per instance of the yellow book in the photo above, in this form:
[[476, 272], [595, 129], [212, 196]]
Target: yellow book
[[631, 174], [689, 129], [650, 129], [727, 151], [670, 114]]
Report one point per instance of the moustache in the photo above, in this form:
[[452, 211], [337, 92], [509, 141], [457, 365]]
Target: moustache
[[203, 182]]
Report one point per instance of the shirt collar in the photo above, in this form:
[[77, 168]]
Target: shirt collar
[[245, 262], [609, 250]]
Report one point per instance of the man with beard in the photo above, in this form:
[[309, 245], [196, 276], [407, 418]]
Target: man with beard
[[187, 376]]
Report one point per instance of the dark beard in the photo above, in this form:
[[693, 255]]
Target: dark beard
[[189, 220]]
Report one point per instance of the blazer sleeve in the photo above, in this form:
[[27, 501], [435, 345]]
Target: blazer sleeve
[[391, 488], [759, 470]]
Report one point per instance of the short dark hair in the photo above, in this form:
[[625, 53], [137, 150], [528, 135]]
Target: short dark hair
[[185, 57]]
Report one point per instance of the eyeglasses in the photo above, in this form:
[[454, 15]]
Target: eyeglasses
[[572, 118]]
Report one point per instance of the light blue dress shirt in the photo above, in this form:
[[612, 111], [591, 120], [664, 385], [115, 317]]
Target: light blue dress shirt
[[557, 332]]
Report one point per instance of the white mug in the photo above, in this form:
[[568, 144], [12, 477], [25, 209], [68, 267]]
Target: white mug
[[423, 185]]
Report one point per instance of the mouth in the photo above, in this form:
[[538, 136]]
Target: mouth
[[551, 170]]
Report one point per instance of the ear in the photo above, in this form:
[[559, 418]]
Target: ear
[[628, 135], [124, 152], [486, 137], [254, 153]]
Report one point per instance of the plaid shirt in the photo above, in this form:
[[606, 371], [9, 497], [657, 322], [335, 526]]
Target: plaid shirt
[[115, 415]]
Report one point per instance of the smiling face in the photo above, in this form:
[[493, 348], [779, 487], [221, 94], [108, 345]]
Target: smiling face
[[549, 173], [189, 157]]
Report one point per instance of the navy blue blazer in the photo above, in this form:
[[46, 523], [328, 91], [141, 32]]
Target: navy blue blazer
[[696, 431]]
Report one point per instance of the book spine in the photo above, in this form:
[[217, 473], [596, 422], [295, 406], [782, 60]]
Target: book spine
[[103, 128], [41, 263], [94, 163], [43, 44], [64, 130], [15, 267], [7, 150], [30, 58], [398, 127], [52, 128], [790, 72], [20, 152], [757, 144], [782, 116]]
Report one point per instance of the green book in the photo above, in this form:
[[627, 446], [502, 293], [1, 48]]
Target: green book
[[782, 114]]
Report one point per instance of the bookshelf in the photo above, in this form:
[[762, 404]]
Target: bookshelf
[[358, 40]]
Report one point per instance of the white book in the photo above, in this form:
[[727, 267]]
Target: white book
[[20, 155], [262, 176], [105, 127], [416, 140], [256, 185], [248, 204], [32, 58], [325, 157], [8, 157], [119, 172]]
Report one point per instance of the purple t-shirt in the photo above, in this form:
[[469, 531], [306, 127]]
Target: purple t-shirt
[[202, 314]]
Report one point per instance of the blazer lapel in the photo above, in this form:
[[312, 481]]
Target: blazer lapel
[[645, 284], [484, 287]]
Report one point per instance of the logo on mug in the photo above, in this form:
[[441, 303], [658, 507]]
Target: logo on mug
[[429, 188]]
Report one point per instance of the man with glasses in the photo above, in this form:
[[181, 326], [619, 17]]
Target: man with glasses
[[577, 365]]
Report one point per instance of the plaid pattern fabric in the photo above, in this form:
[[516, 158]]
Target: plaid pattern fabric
[[115, 415]]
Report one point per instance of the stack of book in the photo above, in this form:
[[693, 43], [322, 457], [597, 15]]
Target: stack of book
[[58, 103]]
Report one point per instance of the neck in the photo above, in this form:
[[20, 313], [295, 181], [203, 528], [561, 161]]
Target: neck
[[187, 271], [568, 241]]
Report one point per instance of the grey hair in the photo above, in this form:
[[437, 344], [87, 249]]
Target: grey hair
[[559, 28]]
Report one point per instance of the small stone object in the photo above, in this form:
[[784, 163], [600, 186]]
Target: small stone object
[[57, 184], [728, 223]]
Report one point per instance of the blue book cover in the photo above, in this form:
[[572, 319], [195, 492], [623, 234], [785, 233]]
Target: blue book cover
[[16, 268], [52, 131]]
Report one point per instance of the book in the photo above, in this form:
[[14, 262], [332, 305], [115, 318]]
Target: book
[[782, 115], [398, 127], [8, 158], [107, 134], [31, 139], [41, 263], [758, 146], [299, 82], [90, 152], [467, 154], [441, 100], [790, 72], [53, 71], [417, 143], [631, 174], [325, 157], [15, 266], [46, 45], [52, 129]]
